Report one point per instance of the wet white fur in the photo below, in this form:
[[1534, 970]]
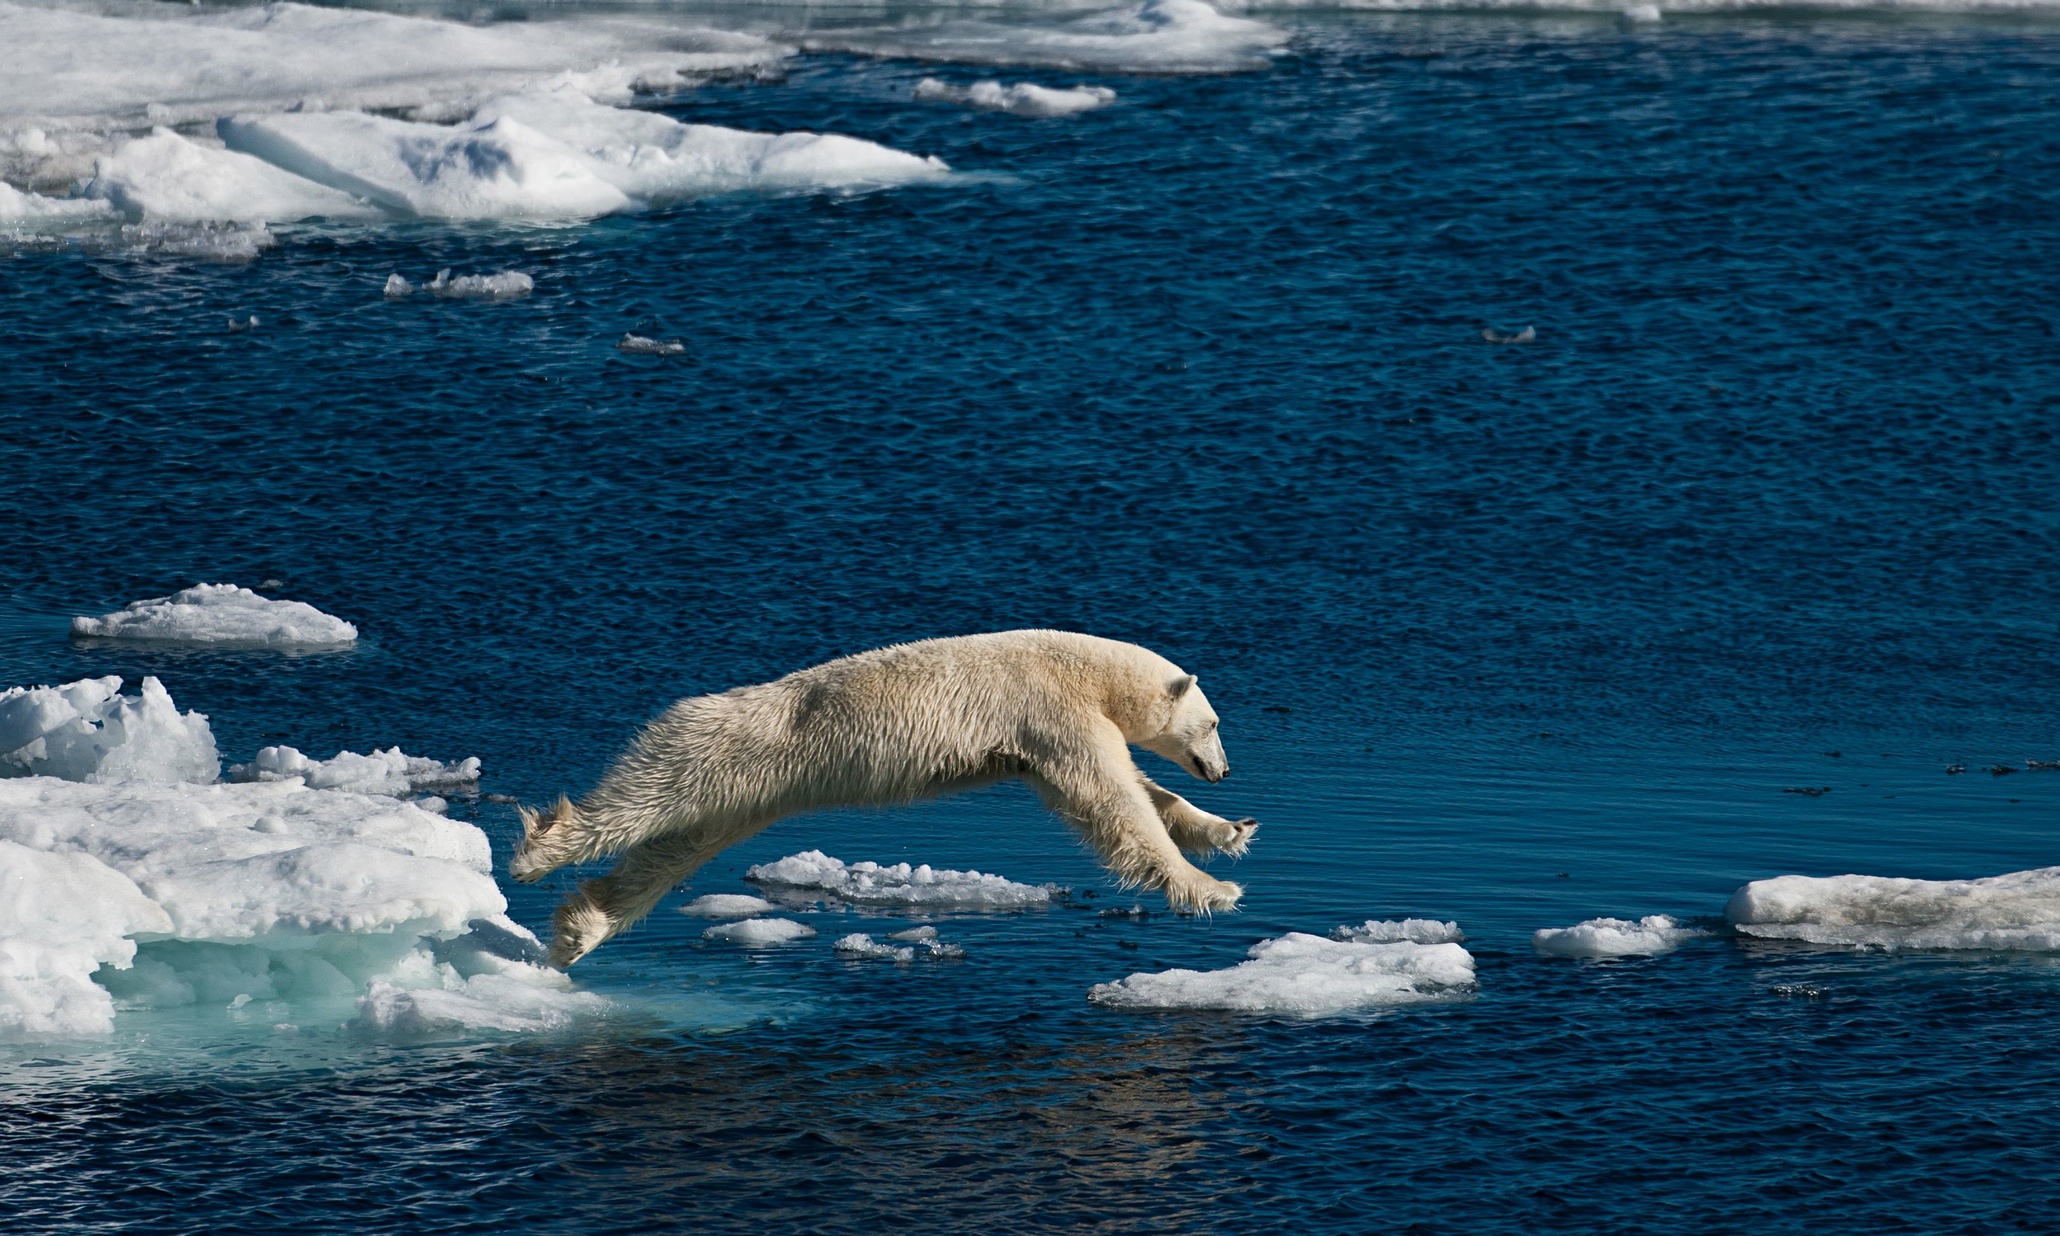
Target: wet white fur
[[1057, 710]]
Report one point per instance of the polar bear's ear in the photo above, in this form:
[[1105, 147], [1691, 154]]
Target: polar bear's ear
[[1178, 687]]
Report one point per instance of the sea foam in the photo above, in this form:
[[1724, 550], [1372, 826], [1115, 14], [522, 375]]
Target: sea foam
[[2019, 910], [1302, 973]]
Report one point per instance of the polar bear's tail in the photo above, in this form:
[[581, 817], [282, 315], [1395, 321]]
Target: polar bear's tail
[[548, 840]]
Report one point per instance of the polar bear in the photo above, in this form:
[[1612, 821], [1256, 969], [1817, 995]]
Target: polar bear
[[1056, 709]]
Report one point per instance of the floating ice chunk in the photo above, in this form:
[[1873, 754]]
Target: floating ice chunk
[[1615, 937], [860, 945], [1642, 13], [1412, 930], [1304, 974], [166, 177], [726, 905], [914, 934], [18, 208], [507, 285], [637, 345], [222, 615], [62, 917], [1157, 36], [518, 1000], [2020, 910], [397, 287], [1021, 99], [760, 932], [89, 731], [391, 772], [814, 873], [654, 158]]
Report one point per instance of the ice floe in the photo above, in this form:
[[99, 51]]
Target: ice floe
[[814, 875], [726, 905], [859, 945], [1411, 930], [638, 345], [1157, 36], [760, 932], [128, 881], [2019, 910], [1615, 937], [89, 731], [391, 772], [1021, 99], [223, 615], [1301, 973], [19, 209]]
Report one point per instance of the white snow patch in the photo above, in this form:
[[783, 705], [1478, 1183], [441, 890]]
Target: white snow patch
[[220, 615], [88, 731], [814, 873], [760, 932], [2016, 911], [1615, 937], [726, 905], [1411, 930], [1021, 99], [1157, 36], [1304, 974], [859, 945], [391, 772]]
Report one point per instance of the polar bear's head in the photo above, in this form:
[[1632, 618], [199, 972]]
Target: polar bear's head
[[1189, 736]]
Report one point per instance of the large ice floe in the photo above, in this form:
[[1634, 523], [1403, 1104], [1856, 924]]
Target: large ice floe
[[1615, 937], [814, 876], [222, 615], [2017, 911], [131, 879], [1299, 973]]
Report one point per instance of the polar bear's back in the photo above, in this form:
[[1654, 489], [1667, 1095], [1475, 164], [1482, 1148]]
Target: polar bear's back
[[889, 725]]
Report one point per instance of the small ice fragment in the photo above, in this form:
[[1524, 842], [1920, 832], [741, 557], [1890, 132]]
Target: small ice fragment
[[1021, 99], [1412, 930], [726, 905], [507, 285], [1528, 334], [913, 934], [815, 874], [1642, 13], [1304, 974], [638, 345], [760, 932], [937, 949], [860, 945], [241, 1000], [2016, 911], [397, 287], [1615, 937], [223, 615]]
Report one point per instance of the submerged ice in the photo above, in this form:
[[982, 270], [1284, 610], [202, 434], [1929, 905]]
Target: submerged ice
[[814, 875], [1301, 973], [220, 614], [2018, 910]]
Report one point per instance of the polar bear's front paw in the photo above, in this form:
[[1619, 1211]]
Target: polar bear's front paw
[[1240, 838], [1202, 894]]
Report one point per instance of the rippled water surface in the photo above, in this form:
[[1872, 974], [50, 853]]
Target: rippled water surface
[[1515, 635]]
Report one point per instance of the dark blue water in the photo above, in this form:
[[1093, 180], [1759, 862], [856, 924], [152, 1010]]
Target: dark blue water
[[1511, 634]]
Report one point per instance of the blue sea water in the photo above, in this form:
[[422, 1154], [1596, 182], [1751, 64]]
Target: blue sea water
[[1510, 634]]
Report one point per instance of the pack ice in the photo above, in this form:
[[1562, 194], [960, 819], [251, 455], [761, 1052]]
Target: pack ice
[[130, 878], [2019, 910], [1300, 973], [813, 875], [220, 615], [1157, 36]]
